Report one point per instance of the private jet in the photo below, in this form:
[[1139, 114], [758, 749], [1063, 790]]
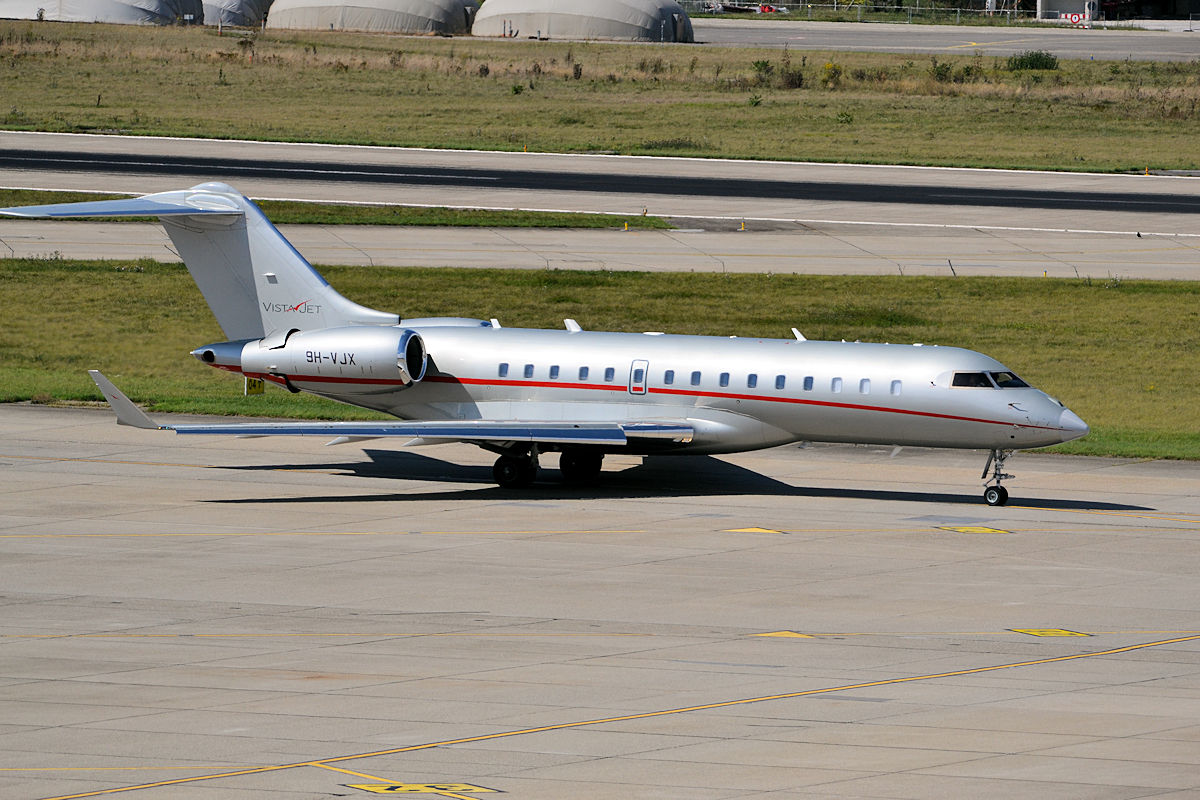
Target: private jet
[[521, 393]]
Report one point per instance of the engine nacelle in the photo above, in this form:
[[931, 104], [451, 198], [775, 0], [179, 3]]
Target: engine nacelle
[[354, 360]]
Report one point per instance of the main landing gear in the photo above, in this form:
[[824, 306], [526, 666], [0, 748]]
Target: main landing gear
[[516, 471], [519, 469], [579, 465], [996, 495]]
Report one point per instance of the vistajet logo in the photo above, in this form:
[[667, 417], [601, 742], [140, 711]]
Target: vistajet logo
[[303, 307]]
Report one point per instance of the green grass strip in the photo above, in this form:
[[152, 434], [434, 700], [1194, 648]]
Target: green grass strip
[[290, 212], [1123, 354]]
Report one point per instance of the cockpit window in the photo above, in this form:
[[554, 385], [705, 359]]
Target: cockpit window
[[1006, 380], [978, 380], [988, 380]]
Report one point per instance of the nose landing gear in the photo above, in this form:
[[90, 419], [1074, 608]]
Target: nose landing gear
[[995, 495]]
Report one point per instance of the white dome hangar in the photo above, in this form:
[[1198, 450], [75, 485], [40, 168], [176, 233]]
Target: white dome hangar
[[246, 13], [620, 20], [127, 12], [376, 16]]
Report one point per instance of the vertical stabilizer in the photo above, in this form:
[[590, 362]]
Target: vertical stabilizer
[[260, 283]]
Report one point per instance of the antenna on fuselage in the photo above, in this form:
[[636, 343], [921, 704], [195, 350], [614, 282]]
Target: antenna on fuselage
[[799, 336]]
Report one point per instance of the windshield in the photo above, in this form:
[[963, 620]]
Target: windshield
[[978, 380], [988, 380], [1007, 380]]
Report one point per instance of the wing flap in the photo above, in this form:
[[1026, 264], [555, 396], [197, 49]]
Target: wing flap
[[437, 430]]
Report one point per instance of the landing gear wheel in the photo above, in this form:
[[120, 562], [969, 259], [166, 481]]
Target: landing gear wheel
[[512, 472], [580, 466], [995, 495]]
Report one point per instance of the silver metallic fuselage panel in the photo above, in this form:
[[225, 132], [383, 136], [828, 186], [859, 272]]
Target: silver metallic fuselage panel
[[860, 393]]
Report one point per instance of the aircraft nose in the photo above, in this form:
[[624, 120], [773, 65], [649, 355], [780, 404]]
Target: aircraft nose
[[1071, 425]]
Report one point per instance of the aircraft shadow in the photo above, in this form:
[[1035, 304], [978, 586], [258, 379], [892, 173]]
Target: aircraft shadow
[[657, 476]]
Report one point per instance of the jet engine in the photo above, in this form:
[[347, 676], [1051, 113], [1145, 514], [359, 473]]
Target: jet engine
[[354, 360]]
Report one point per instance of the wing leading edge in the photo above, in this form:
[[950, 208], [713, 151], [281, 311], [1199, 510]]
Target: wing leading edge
[[605, 433]]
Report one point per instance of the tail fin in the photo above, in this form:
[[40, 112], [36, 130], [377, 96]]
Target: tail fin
[[254, 281]]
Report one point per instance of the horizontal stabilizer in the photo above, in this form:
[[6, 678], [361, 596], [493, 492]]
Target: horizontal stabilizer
[[151, 205]]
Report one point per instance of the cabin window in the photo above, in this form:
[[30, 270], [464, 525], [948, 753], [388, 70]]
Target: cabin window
[[554, 372], [975, 380], [583, 373], [639, 376], [723, 379], [503, 371], [836, 385], [780, 381], [669, 377], [529, 370], [751, 381], [1006, 380], [609, 374], [896, 388], [808, 383], [864, 386], [695, 379]]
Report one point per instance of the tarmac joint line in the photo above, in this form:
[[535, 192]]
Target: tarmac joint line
[[326, 762]]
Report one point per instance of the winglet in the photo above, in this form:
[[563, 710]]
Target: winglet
[[127, 413]]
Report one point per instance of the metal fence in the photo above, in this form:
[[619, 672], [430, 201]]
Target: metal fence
[[860, 11]]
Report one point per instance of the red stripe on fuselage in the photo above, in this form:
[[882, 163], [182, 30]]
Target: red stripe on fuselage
[[652, 390]]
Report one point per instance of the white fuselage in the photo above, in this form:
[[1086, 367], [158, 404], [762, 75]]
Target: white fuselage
[[737, 393]]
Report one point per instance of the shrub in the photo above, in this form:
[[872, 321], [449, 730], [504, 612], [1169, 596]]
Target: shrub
[[940, 72], [762, 71], [791, 78], [831, 75], [1032, 59]]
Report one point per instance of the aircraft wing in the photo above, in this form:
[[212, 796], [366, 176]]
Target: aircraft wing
[[609, 433]]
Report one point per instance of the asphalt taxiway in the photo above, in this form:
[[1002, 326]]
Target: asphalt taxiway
[[806, 193], [233, 618], [829, 250], [730, 216], [1173, 40]]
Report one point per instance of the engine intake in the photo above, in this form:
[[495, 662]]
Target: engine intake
[[411, 356]]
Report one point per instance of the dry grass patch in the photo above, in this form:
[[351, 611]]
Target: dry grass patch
[[587, 97]]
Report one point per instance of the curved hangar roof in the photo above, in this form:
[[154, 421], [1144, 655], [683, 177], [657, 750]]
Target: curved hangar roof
[[130, 12], [381, 16], [636, 20], [247, 13]]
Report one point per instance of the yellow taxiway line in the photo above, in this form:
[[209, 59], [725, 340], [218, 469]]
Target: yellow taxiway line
[[325, 762]]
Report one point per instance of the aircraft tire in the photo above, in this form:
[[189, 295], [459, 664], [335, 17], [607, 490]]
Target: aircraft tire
[[995, 495], [514, 473], [580, 466]]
